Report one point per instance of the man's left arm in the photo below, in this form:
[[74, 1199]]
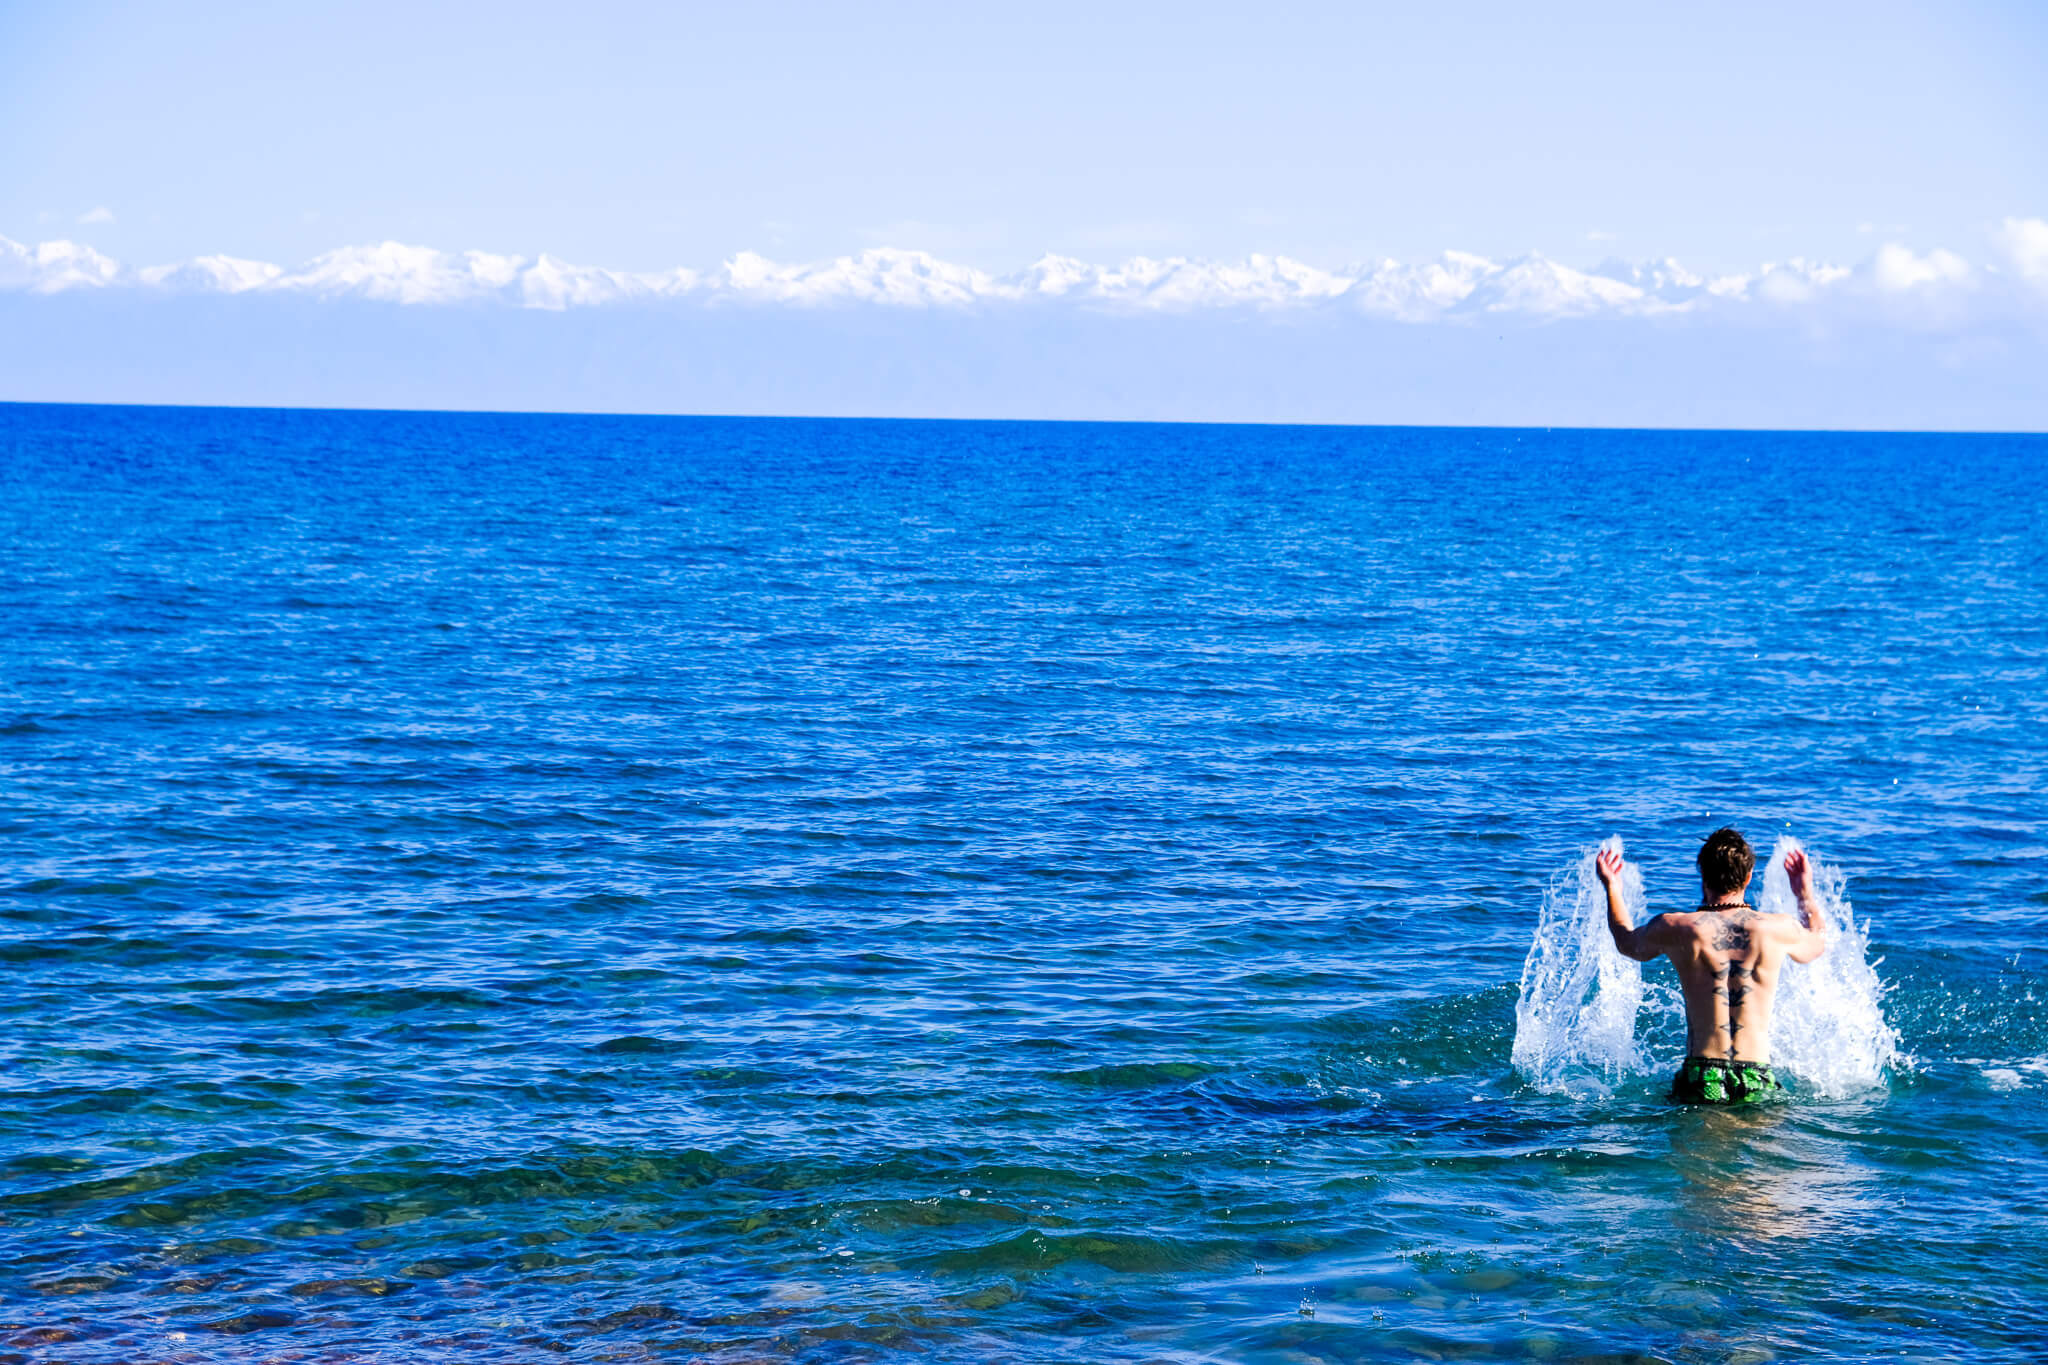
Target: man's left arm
[[1812, 939]]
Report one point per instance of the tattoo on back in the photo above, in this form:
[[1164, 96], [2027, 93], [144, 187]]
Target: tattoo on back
[[1733, 981]]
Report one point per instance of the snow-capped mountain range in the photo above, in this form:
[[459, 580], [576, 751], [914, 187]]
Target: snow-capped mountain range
[[1454, 285]]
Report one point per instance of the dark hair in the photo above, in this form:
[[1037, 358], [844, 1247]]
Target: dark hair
[[1725, 860]]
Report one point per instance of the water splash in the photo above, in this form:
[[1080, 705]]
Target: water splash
[[1575, 1023], [1828, 1027]]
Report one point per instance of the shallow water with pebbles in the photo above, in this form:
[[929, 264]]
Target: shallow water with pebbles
[[529, 888]]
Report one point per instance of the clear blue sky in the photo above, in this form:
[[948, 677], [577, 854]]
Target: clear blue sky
[[644, 135]]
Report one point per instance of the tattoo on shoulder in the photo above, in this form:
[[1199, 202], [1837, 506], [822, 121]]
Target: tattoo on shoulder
[[1731, 933]]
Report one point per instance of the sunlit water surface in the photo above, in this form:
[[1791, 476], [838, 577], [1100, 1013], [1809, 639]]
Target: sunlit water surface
[[526, 888]]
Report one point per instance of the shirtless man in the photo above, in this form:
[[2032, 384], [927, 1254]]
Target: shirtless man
[[1729, 959]]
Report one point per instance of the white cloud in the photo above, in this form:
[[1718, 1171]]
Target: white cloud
[[1053, 276], [52, 267], [1895, 269], [397, 273], [1790, 282], [1181, 283], [557, 285], [1533, 286], [1544, 288], [1938, 285], [1664, 282], [211, 274], [882, 275], [2025, 243], [102, 214], [1413, 293]]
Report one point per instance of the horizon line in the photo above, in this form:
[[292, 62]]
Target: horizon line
[[366, 411]]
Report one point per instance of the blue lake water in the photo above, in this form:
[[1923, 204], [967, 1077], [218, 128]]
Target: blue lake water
[[532, 888]]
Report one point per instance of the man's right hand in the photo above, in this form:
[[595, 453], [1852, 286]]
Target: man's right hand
[[1608, 865], [1639, 944]]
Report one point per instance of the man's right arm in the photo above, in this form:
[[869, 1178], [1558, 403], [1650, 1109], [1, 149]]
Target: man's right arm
[[1641, 944], [1813, 941]]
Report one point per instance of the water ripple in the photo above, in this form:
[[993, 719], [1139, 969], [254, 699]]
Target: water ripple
[[508, 888]]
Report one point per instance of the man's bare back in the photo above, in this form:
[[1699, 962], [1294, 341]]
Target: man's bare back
[[1729, 957]]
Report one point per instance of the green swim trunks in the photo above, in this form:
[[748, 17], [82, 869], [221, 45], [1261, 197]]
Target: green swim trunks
[[1715, 1080]]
